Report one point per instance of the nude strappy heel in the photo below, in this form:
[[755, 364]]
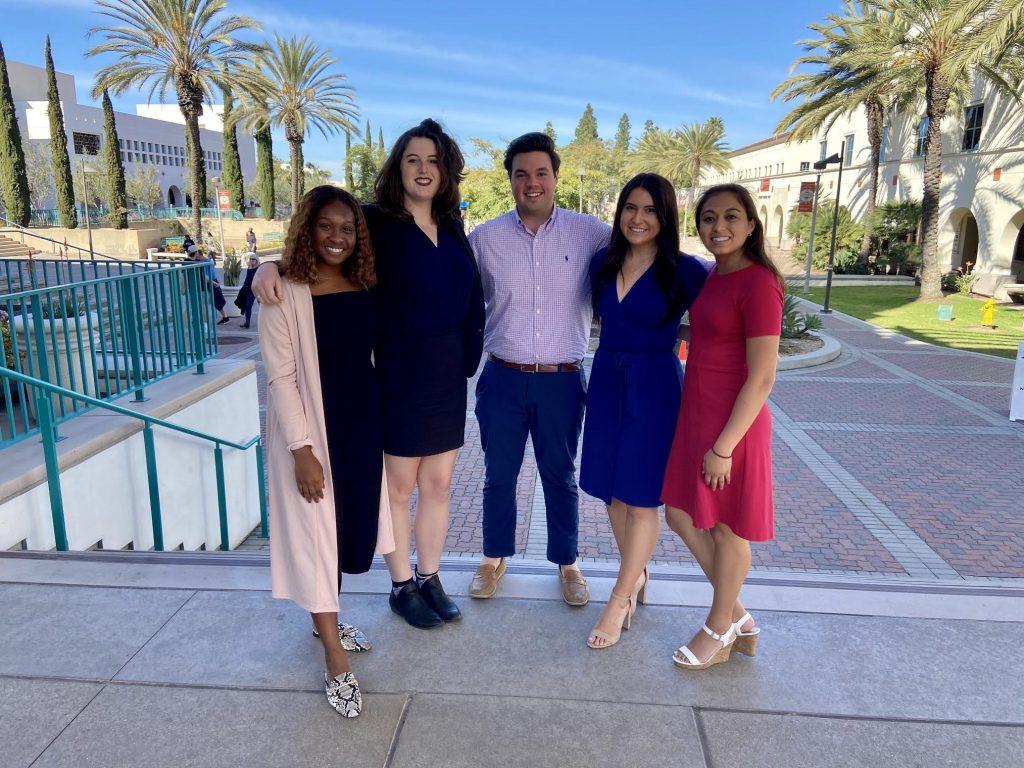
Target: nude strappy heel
[[690, 660], [610, 640], [641, 594], [746, 642]]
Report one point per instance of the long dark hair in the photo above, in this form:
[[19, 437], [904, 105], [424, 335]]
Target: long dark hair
[[299, 260], [388, 186], [665, 271], [754, 247]]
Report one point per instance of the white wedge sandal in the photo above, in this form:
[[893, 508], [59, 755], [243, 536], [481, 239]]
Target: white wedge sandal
[[690, 660], [746, 642]]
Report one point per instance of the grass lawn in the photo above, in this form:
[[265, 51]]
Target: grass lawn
[[896, 308]]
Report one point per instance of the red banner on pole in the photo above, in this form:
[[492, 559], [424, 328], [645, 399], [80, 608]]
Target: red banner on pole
[[766, 185], [806, 204], [223, 200]]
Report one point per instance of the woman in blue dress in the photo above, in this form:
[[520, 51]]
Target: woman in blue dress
[[641, 287]]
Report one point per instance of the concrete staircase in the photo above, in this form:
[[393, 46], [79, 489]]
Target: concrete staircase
[[14, 249]]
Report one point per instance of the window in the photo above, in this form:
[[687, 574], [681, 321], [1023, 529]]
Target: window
[[86, 143], [144, 158], [805, 166], [883, 144], [973, 116], [824, 150], [922, 136], [848, 158]]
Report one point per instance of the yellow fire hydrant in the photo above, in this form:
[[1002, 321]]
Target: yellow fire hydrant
[[988, 313]]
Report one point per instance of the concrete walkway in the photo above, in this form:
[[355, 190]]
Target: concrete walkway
[[185, 660]]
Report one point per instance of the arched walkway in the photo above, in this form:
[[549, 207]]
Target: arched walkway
[[174, 197], [764, 219], [961, 238], [779, 231], [1011, 244]]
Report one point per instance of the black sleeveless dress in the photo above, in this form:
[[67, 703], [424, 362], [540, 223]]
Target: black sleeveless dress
[[346, 331]]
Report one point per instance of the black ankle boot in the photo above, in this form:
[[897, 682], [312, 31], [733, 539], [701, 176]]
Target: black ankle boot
[[434, 596], [408, 603]]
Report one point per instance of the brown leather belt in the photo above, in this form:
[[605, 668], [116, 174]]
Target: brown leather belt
[[540, 367]]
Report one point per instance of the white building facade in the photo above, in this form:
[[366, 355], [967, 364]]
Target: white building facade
[[153, 138], [981, 210]]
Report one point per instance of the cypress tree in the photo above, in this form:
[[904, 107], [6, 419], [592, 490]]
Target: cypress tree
[[13, 173], [648, 127], [117, 196], [265, 170], [202, 167], [369, 136], [380, 146], [350, 181], [232, 162], [62, 177], [622, 135], [549, 129], [586, 128]]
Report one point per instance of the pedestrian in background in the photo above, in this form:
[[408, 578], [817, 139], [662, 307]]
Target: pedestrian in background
[[245, 299]]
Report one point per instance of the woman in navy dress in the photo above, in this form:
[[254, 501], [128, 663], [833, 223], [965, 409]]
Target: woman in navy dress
[[641, 287], [432, 307]]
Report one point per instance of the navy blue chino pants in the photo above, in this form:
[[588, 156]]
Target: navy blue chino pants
[[547, 407]]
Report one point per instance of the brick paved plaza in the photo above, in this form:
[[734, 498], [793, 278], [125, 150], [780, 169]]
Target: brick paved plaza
[[897, 460]]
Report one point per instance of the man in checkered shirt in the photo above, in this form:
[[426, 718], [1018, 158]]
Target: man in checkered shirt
[[534, 262]]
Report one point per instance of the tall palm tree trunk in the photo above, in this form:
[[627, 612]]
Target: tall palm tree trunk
[[295, 160], [195, 172], [875, 115], [937, 92]]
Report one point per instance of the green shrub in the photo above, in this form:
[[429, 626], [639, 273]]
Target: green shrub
[[901, 257], [848, 236], [5, 339], [796, 324]]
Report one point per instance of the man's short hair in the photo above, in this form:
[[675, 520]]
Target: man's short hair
[[532, 142]]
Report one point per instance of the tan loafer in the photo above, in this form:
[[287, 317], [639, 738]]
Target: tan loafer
[[574, 587], [485, 580]]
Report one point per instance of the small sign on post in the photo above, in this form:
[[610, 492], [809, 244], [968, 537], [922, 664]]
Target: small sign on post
[[223, 205], [1017, 396], [945, 312]]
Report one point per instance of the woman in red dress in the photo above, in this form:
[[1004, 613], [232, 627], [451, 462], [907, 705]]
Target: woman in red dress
[[718, 482]]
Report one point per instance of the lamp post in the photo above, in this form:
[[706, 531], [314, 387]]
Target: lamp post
[[85, 195], [581, 173], [814, 220], [825, 310]]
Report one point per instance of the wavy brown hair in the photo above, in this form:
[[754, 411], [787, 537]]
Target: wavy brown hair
[[300, 262], [388, 187], [753, 247]]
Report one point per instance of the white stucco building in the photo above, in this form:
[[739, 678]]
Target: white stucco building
[[154, 137], [981, 214]]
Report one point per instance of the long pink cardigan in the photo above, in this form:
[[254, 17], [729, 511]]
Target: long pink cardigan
[[303, 544]]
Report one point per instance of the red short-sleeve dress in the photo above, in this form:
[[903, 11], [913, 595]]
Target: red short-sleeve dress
[[729, 310]]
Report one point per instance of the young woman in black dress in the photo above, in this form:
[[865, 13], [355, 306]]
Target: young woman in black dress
[[431, 297]]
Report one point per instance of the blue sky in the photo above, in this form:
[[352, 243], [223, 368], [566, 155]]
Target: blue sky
[[496, 70]]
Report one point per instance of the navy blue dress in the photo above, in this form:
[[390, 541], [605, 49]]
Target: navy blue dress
[[635, 388], [432, 305]]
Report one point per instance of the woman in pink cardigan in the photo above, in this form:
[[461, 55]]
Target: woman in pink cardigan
[[328, 497]]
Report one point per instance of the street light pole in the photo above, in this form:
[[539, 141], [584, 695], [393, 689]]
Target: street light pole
[[825, 310], [85, 194]]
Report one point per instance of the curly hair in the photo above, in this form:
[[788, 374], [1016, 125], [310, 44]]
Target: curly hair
[[388, 189], [299, 262]]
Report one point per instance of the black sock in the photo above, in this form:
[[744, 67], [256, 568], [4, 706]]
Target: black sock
[[421, 577], [396, 586]]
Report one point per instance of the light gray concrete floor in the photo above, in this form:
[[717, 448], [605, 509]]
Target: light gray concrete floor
[[161, 664]]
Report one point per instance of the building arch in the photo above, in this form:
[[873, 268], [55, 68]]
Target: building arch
[[962, 231], [779, 230], [174, 197], [1011, 245], [764, 218]]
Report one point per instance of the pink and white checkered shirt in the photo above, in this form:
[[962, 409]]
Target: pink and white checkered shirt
[[536, 286]]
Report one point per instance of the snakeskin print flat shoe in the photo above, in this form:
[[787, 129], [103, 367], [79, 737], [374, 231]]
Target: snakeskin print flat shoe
[[343, 694], [352, 638]]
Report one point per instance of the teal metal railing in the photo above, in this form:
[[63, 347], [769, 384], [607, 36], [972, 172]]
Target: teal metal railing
[[103, 337], [29, 274], [44, 393]]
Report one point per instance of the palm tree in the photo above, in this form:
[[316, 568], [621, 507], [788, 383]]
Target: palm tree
[[190, 45], [849, 76], [942, 46], [292, 88], [681, 156]]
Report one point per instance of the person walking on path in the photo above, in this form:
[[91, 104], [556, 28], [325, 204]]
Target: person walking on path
[[432, 303], [641, 286], [195, 253], [534, 261], [250, 240], [325, 463], [245, 298], [718, 483]]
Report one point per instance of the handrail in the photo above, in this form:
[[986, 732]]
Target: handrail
[[26, 231], [79, 284], [45, 408]]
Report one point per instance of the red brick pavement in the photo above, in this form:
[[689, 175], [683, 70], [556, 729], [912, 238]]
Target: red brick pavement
[[952, 367], [960, 494], [996, 398]]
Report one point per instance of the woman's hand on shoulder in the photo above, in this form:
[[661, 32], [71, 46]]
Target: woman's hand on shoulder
[[309, 474]]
